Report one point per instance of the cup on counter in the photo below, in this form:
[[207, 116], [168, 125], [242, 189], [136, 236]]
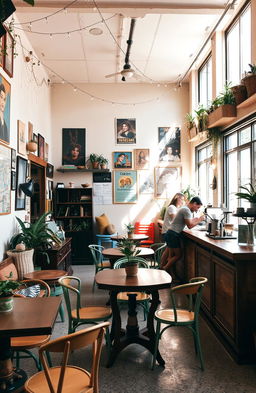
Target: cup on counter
[[239, 210], [228, 228]]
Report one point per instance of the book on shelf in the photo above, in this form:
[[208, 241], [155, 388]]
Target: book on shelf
[[67, 212], [68, 167], [62, 211], [81, 211]]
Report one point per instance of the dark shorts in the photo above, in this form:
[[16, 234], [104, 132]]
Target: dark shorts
[[172, 239]]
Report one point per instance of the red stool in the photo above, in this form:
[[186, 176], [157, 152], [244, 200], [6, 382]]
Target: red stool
[[145, 229]]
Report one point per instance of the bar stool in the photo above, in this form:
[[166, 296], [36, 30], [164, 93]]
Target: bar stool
[[106, 239]]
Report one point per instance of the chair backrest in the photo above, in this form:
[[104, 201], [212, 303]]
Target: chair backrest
[[33, 288], [96, 251], [71, 284], [145, 229], [193, 291], [158, 249], [81, 339], [122, 261]]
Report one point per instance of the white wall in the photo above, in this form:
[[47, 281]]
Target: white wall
[[30, 101], [72, 109]]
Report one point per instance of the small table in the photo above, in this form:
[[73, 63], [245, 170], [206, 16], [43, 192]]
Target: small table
[[113, 254], [30, 316], [134, 236], [150, 280]]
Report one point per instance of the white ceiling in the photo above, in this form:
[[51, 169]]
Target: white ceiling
[[167, 36]]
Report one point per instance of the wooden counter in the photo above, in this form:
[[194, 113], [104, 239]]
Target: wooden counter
[[229, 298]]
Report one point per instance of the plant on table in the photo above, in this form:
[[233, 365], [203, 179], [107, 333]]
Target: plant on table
[[128, 248], [248, 193], [8, 286]]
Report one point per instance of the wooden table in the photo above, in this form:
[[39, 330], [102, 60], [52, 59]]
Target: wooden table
[[30, 316], [113, 254], [150, 280], [134, 236]]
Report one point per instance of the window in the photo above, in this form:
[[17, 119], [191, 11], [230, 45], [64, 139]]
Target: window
[[238, 47], [205, 173], [205, 83]]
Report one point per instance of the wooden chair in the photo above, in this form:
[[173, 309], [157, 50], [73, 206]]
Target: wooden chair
[[158, 249], [98, 261], [68, 378], [21, 346], [182, 317], [142, 298], [145, 229]]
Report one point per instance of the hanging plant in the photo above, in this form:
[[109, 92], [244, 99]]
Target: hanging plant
[[214, 136]]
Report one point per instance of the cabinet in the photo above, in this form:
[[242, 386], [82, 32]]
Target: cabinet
[[73, 211], [60, 257]]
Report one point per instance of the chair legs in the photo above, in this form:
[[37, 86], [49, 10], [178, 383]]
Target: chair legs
[[158, 335], [198, 348]]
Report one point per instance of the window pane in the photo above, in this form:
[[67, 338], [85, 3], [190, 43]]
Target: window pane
[[254, 131], [233, 73], [231, 141], [245, 171], [232, 181], [209, 82], [245, 26], [205, 83], [244, 136], [201, 155]]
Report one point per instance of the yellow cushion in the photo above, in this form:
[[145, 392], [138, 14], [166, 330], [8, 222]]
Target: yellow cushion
[[102, 223], [110, 229]]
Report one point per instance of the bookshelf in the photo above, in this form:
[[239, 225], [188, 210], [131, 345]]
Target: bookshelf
[[73, 211]]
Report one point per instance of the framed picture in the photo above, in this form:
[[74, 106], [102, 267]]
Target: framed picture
[[13, 159], [2, 39], [122, 159], [46, 152], [73, 146], [13, 180], [5, 179], [49, 170], [141, 159], [21, 138], [125, 187], [30, 132], [41, 146], [35, 137], [169, 144], [167, 181], [20, 197], [146, 182], [5, 100], [8, 53], [125, 131]]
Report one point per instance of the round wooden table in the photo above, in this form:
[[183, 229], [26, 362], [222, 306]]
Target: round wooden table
[[149, 280], [134, 236], [113, 254]]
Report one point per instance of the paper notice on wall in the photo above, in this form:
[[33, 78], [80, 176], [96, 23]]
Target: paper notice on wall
[[102, 193]]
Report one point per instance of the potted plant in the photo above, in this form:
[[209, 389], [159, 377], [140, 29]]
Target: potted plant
[[214, 135], [201, 118], [6, 293], [189, 193], [94, 158], [191, 125], [250, 80], [103, 162], [240, 93], [249, 194], [128, 248], [222, 109], [130, 229]]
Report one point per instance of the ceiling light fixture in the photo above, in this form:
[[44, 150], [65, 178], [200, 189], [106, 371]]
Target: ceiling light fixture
[[95, 31]]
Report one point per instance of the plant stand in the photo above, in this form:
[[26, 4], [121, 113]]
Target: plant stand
[[250, 218]]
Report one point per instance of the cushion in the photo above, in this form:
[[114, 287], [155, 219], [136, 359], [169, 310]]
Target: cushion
[[32, 291], [110, 229], [102, 223], [6, 270]]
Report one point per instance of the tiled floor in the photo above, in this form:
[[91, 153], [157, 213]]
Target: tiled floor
[[131, 371]]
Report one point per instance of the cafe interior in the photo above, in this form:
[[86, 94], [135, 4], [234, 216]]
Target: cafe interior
[[109, 109]]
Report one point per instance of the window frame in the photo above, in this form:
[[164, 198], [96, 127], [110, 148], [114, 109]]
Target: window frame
[[205, 63], [208, 160]]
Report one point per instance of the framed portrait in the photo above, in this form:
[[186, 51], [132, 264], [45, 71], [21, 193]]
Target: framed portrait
[[73, 146], [169, 144], [46, 152], [8, 53], [30, 132], [21, 138], [167, 181], [122, 159], [13, 180], [125, 131], [125, 187], [5, 98], [20, 197], [49, 170], [141, 159], [146, 182], [40, 146], [13, 159], [5, 179]]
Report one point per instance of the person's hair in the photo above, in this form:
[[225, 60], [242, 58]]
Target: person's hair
[[75, 146], [127, 123], [141, 156], [120, 155], [196, 200], [175, 198], [2, 88]]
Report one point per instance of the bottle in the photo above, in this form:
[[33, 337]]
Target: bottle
[[221, 230]]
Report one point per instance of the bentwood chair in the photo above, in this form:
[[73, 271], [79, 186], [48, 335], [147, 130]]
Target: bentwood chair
[[21, 346], [98, 261], [67, 378], [142, 298], [82, 315], [158, 248], [188, 317]]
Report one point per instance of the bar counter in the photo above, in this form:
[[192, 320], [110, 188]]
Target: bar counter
[[229, 298]]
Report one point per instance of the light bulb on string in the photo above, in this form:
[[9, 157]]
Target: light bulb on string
[[50, 35], [68, 34], [75, 89], [65, 11], [46, 19]]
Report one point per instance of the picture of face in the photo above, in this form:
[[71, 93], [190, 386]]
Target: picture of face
[[167, 181], [73, 146], [122, 159], [5, 96], [169, 144], [141, 158], [125, 131]]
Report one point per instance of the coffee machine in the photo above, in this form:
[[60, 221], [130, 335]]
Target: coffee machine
[[216, 218]]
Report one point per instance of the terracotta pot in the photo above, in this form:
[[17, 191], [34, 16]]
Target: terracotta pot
[[103, 166], [32, 146], [250, 83], [240, 93], [95, 165], [131, 270], [129, 235], [6, 303]]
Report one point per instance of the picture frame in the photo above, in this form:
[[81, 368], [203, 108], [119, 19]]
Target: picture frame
[[46, 152], [5, 95], [141, 159], [13, 159], [30, 132], [50, 189], [20, 197], [125, 131], [167, 181], [13, 180], [146, 182], [40, 146], [122, 159], [35, 138], [73, 146], [5, 179], [169, 144], [8, 53], [49, 170], [125, 189], [2, 40], [21, 137]]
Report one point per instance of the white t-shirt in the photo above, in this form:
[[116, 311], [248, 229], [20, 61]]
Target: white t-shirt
[[178, 223], [167, 219]]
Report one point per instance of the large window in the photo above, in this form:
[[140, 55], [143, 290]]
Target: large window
[[205, 173], [238, 46], [205, 83]]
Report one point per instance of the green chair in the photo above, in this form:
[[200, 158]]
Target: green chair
[[142, 298], [82, 315], [158, 248], [188, 317], [98, 261]]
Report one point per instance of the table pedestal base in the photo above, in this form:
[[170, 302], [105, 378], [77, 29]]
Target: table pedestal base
[[13, 383]]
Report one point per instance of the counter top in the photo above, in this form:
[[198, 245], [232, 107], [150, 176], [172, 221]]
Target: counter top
[[229, 247]]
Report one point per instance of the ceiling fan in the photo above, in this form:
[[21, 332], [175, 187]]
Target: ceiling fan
[[127, 71]]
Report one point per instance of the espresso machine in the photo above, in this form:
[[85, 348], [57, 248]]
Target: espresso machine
[[216, 218]]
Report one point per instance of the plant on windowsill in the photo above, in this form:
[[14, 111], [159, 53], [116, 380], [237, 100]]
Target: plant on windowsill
[[249, 80], [214, 136], [201, 118], [128, 248], [191, 125], [222, 109]]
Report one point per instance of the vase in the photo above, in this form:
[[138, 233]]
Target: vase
[[131, 270], [6, 303], [32, 146], [250, 234], [23, 261]]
